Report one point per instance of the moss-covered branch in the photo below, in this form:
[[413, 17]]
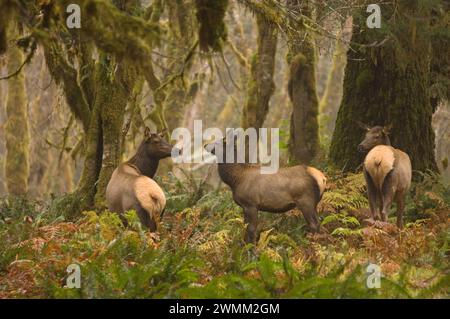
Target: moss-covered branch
[[67, 76]]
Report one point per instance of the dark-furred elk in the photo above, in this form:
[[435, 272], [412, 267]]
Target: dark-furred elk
[[387, 171], [131, 185], [291, 187]]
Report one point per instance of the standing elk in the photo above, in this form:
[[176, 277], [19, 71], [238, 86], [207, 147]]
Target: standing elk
[[131, 185], [291, 187], [387, 171]]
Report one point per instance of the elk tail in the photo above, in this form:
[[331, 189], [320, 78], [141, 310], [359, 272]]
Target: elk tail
[[378, 163], [319, 179]]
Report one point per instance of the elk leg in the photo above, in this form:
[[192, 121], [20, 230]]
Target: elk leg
[[387, 201], [251, 219], [310, 215], [380, 205], [145, 217], [387, 196], [372, 195]]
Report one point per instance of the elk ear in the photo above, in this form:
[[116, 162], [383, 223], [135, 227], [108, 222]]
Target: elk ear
[[147, 132], [363, 126], [163, 132], [387, 129]]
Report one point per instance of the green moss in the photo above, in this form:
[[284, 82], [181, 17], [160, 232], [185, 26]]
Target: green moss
[[364, 79]]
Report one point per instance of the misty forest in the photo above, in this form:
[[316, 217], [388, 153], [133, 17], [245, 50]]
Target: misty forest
[[91, 91]]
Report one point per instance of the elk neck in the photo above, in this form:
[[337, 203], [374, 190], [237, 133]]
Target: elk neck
[[147, 165], [231, 173]]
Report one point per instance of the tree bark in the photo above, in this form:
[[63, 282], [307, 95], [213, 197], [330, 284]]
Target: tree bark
[[332, 96], [40, 109], [16, 127], [2, 135], [388, 84], [113, 96]]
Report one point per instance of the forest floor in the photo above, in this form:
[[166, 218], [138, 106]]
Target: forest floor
[[199, 252]]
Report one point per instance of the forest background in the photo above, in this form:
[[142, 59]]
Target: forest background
[[74, 104]]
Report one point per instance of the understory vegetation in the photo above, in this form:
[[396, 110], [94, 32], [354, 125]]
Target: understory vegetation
[[199, 252]]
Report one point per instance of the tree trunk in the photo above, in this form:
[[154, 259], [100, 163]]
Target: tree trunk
[[388, 84], [304, 127], [113, 96], [2, 135], [441, 124], [260, 85], [332, 96], [40, 110], [16, 127], [83, 197]]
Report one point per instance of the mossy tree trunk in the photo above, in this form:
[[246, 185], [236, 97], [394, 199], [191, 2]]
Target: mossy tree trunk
[[83, 196], [304, 127], [2, 137], [260, 86], [332, 96], [17, 134], [40, 109], [97, 90], [388, 84], [112, 95]]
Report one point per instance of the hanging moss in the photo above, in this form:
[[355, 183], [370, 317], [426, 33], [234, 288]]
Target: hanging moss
[[212, 30]]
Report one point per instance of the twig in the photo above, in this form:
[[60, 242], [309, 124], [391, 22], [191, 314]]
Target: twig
[[27, 59]]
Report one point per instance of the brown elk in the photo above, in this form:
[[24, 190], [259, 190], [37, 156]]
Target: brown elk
[[131, 185], [387, 171], [291, 187]]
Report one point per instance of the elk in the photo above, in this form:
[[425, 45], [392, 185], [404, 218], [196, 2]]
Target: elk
[[387, 171], [291, 187], [131, 185]]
